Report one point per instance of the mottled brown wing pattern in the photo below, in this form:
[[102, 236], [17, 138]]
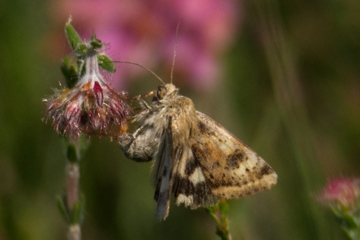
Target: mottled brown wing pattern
[[189, 185], [231, 168], [219, 166]]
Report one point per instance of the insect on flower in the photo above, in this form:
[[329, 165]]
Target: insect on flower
[[196, 159]]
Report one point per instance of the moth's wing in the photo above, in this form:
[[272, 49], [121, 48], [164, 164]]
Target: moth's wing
[[163, 167], [230, 167], [220, 167], [189, 183]]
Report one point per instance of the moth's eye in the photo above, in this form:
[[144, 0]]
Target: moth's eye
[[161, 92]]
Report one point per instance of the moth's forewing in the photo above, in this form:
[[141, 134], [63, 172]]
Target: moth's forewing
[[231, 168], [216, 165]]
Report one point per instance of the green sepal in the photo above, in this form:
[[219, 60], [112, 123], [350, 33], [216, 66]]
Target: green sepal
[[81, 49], [78, 211], [72, 36], [106, 63], [63, 209], [69, 69], [95, 42]]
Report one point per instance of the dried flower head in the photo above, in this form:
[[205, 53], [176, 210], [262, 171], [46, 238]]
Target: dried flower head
[[341, 193], [91, 106]]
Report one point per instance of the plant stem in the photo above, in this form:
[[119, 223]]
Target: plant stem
[[219, 213], [72, 196], [74, 232]]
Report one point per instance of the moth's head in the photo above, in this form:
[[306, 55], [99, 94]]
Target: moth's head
[[165, 90]]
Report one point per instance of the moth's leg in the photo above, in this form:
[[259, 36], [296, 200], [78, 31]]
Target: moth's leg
[[137, 97], [142, 101], [137, 148]]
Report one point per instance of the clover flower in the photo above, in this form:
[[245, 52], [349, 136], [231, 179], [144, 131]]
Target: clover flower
[[91, 106]]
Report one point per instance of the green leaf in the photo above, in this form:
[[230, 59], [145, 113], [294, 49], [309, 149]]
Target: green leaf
[[63, 209], [106, 63], [72, 36], [77, 214], [69, 69]]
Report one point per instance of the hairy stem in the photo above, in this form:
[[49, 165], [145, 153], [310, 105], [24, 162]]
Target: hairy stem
[[72, 196], [72, 184], [74, 232]]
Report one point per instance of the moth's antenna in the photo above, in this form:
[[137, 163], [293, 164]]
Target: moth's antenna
[[136, 64], [173, 63]]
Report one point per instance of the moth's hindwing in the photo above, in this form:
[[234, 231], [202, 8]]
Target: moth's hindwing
[[216, 165]]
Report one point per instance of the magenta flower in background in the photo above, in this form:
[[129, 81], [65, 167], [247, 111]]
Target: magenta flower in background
[[144, 32], [344, 192], [342, 196]]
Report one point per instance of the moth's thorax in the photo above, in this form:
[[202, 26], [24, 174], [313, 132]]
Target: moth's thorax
[[173, 102], [180, 109], [171, 89]]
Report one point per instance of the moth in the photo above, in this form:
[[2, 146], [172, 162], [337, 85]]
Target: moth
[[196, 159]]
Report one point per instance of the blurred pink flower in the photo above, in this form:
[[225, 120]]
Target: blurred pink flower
[[342, 192], [144, 32]]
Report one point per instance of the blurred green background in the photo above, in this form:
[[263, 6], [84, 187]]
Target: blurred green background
[[290, 91]]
